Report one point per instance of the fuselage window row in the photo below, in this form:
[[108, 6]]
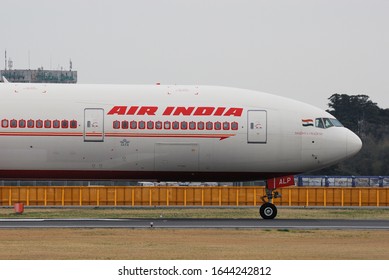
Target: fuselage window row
[[5, 123], [175, 125]]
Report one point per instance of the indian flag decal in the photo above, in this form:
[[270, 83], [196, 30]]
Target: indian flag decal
[[307, 122]]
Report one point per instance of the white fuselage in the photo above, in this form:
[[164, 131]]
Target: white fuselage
[[53, 131]]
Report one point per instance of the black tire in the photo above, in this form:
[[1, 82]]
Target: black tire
[[268, 211]]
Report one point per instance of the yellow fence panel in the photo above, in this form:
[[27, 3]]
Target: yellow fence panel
[[191, 196]]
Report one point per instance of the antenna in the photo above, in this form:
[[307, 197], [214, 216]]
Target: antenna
[[5, 61], [71, 65]]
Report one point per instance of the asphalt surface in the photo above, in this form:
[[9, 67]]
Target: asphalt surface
[[196, 223]]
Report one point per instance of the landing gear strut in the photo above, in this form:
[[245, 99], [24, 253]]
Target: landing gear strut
[[268, 210]]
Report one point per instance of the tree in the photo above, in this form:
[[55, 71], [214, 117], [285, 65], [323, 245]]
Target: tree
[[354, 111], [371, 124]]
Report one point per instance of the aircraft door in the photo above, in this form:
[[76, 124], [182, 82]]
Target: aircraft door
[[94, 125], [257, 126]]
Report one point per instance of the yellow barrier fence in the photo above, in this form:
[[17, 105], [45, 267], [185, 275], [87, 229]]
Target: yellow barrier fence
[[190, 196]]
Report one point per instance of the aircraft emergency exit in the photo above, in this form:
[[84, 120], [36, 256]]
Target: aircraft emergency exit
[[164, 133]]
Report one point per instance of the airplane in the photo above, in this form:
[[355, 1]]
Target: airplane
[[165, 133]]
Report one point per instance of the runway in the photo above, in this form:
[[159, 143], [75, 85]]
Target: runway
[[198, 223]]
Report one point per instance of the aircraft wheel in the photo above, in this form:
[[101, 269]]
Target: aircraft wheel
[[268, 211]]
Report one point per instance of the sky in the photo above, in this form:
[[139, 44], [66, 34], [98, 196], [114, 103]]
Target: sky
[[305, 50]]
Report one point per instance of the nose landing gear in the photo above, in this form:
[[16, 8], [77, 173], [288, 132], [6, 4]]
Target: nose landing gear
[[268, 210]]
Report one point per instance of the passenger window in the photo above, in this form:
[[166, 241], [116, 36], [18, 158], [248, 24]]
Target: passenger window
[[4, 123], [150, 125], [22, 123], [133, 125], [142, 125], [64, 124], [184, 125], [209, 125], [47, 123], [158, 125], [124, 124], [56, 124], [226, 126], [39, 124], [30, 123], [218, 125], [14, 123], [192, 125], [200, 125], [116, 124], [73, 124], [166, 125], [176, 125], [319, 123], [234, 126]]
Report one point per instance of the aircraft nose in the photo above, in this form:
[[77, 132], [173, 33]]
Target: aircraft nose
[[354, 143]]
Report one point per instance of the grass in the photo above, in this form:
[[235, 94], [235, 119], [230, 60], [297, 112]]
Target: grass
[[231, 213]]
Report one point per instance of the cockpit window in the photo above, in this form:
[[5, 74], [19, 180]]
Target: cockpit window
[[336, 123], [327, 122], [319, 123]]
